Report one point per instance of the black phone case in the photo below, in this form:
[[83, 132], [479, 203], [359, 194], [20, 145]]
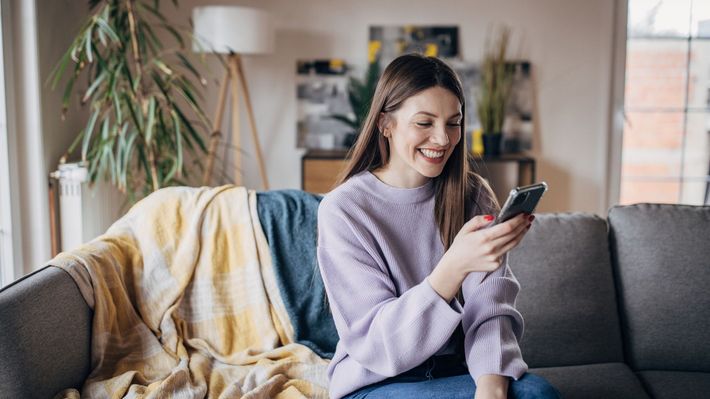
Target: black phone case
[[521, 199]]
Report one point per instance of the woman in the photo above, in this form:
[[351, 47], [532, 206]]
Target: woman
[[420, 290]]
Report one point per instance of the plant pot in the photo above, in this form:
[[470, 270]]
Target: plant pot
[[492, 144]]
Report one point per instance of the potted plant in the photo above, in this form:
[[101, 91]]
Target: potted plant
[[360, 93], [492, 97], [145, 117]]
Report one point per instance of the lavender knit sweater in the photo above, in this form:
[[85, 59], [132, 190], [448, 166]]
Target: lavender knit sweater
[[376, 246]]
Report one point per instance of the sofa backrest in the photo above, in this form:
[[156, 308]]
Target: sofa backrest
[[567, 295], [661, 257]]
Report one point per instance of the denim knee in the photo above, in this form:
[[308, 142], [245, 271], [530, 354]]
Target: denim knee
[[532, 386]]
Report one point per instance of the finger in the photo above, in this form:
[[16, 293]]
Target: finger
[[513, 243], [504, 239], [477, 222], [506, 228]]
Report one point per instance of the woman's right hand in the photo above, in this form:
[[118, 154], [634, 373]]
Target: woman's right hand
[[476, 249]]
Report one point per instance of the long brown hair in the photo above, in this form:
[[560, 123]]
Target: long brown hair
[[460, 192]]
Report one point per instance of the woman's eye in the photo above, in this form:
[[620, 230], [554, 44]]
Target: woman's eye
[[454, 124], [423, 124]]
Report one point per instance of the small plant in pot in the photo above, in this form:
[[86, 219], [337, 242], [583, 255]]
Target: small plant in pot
[[492, 97]]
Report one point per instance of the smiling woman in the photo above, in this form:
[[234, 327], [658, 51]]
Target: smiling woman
[[421, 295]]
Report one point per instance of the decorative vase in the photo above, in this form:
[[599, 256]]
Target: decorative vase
[[491, 144]]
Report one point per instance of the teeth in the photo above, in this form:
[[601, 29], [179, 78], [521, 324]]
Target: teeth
[[432, 154]]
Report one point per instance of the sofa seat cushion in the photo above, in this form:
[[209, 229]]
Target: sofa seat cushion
[[594, 381], [676, 384]]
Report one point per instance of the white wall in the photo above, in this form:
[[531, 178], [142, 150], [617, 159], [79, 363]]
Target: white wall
[[59, 22], [570, 44]]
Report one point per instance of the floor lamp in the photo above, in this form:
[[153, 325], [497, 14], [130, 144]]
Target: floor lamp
[[233, 31]]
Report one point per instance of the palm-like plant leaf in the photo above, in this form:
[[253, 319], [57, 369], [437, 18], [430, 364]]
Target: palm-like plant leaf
[[137, 135]]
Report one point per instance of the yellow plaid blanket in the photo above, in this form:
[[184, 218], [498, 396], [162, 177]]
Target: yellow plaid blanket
[[186, 304]]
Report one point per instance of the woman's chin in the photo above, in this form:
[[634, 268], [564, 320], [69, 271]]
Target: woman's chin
[[430, 171]]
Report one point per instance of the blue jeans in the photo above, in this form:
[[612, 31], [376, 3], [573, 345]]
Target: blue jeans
[[447, 377]]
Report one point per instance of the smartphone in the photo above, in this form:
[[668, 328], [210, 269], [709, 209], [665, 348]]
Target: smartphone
[[520, 200]]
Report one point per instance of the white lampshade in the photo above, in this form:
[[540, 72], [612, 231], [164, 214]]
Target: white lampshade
[[232, 29]]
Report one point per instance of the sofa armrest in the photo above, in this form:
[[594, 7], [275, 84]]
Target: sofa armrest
[[45, 335]]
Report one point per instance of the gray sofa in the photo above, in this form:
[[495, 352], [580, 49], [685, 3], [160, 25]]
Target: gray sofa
[[614, 308]]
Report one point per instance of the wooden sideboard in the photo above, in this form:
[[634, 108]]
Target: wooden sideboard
[[320, 168]]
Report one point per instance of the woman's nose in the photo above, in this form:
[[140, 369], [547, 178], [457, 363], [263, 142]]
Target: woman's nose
[[440, 137]]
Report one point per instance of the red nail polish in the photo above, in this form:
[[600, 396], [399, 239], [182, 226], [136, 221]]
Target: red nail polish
[[531, 218], [488, 218]]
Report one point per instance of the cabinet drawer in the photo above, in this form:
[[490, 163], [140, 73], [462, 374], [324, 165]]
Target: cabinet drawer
[[319, 174]]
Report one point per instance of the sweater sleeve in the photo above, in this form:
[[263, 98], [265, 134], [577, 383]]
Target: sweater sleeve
[[492, 325], [387, 334]]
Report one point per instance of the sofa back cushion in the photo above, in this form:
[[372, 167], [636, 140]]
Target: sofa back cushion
[[567, 296], [661, 256]]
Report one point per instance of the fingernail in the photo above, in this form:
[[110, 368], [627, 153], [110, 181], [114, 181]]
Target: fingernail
[[528, 226], [488, 218], [531, 218]]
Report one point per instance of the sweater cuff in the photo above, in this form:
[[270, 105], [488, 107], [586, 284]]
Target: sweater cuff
[[495, 350]]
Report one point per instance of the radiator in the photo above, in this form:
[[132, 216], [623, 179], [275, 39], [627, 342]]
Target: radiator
[[84, 212]]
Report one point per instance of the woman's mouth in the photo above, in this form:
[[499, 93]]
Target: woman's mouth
[[432, 156]]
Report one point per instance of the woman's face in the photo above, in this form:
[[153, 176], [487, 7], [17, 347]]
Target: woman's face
[[422, 135]]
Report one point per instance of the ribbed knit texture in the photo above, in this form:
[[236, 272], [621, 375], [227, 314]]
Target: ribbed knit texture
[[376, 246]]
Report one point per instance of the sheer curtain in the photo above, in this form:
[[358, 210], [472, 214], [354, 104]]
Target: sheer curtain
[[6, 259]]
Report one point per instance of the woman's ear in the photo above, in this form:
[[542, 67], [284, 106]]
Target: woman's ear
[[383, 123]]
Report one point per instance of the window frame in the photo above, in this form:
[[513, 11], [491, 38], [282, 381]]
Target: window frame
[[617, 114]]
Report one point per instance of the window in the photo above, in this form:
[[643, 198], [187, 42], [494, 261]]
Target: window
[[666, 137]]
